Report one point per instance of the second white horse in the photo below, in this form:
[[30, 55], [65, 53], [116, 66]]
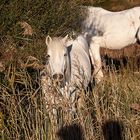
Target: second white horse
[[113, 30]]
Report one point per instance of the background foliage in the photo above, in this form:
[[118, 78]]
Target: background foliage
[[45, 16]]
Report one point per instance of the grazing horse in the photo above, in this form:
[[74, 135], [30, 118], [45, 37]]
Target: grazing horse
[[112, 30], [68, 65]]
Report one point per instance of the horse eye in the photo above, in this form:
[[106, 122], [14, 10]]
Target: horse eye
[[47, 56], [65, 54], [46, 62]]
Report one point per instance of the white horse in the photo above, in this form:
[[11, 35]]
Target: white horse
[[113, 30], [68, 64]]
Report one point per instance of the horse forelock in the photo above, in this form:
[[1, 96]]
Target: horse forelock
[[57, 42]]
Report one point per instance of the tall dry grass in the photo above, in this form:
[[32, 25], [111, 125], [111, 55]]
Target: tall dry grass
[[109, 111]]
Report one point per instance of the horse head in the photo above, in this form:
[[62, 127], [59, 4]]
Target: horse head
[[57, 58]]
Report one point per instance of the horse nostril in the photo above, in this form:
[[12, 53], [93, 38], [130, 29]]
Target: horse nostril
[[55, 76], [58, 77]]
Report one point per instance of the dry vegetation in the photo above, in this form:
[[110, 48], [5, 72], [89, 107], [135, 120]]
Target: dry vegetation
[[111, 111]]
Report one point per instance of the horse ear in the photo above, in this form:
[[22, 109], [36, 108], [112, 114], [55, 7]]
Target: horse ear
[[48, 40], [65, 38]]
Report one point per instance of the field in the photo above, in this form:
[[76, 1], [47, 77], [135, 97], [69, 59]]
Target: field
[[110, 110]]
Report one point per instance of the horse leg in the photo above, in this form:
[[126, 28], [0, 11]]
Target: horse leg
[[72, 98], [96, 58], [49, 100], [54, 123]]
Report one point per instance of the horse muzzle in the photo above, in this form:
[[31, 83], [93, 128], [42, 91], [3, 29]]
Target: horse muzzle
[[58, 79]]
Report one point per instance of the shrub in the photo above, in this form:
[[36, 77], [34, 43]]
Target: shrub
[[45, 16]]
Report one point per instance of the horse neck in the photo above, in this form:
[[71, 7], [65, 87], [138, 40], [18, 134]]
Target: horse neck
[[79, 45]]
